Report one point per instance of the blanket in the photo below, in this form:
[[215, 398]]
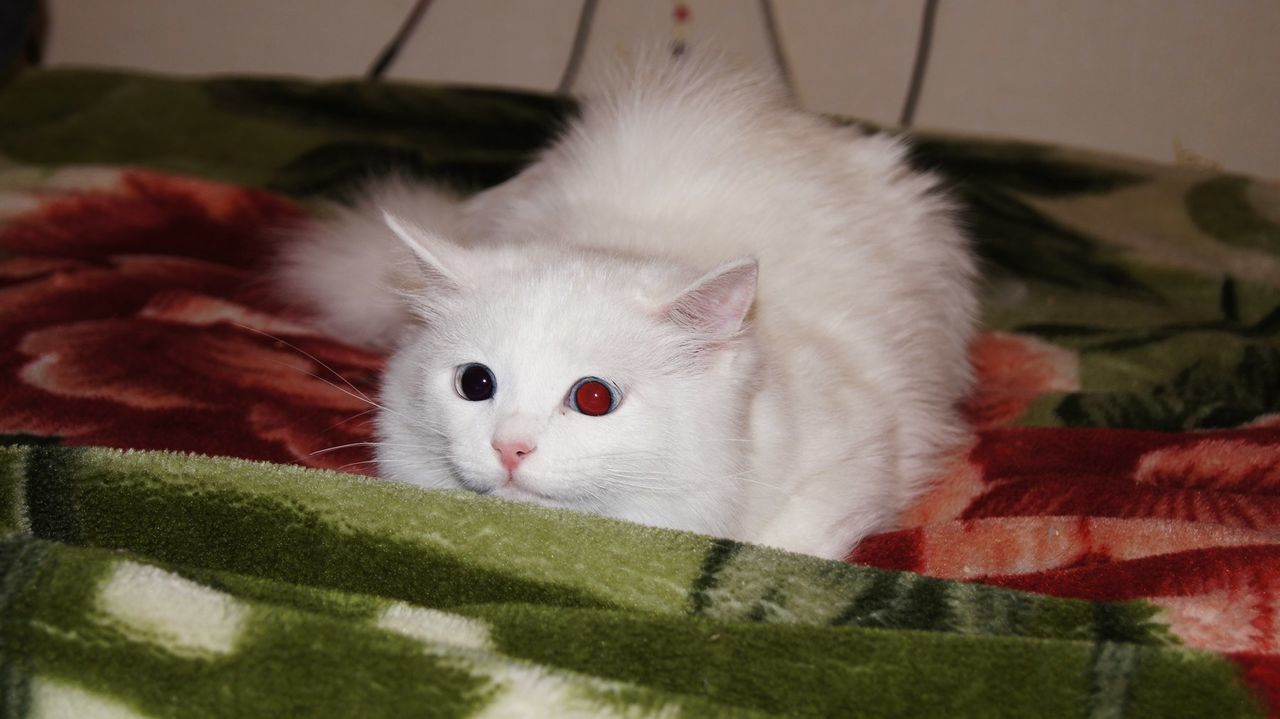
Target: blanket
[[1104, 545]]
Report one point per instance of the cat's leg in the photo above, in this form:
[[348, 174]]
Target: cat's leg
[[834, 509], [846, 479]]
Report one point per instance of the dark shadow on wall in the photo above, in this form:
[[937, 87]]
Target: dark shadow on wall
[[23, 28]]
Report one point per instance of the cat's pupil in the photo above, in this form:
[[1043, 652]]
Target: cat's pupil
[[593, 398], [475, 382]]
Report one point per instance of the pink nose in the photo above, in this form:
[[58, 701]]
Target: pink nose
[[512, 453]]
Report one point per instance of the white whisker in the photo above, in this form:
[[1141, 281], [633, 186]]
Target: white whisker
[[355, 416], [368, 444], [309, 356], [353, 393]]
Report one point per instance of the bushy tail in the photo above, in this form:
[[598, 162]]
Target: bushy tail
[[350, 272]]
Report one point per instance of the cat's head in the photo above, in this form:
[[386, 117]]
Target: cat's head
[[573, 378]]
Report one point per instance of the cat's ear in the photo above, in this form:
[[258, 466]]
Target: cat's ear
[[717, 304], [437, 261]]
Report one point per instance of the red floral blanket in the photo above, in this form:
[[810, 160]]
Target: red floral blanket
[[133, 317]]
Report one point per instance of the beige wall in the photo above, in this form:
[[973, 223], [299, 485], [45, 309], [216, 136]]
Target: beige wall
[[1140, 77]]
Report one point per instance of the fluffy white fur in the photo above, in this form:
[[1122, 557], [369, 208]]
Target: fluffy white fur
[[799, 402]]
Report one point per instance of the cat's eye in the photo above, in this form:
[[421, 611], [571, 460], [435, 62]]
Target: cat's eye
[[474, 382], [593, 396]]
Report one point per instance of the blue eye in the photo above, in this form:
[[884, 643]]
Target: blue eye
[[594, 397], [474, 382]]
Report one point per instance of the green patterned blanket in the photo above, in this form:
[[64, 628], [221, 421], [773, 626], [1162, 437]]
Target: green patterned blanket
[[240, 589], [1125, 454]]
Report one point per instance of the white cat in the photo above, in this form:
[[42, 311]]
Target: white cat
[[701, 308]]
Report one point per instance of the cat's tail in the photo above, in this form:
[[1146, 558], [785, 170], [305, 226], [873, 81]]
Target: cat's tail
[[348, 271]]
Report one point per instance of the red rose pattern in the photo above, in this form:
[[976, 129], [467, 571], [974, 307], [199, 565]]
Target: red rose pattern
[[1012, 371], [134, 315]]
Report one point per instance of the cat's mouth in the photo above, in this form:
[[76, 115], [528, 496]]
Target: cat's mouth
[[503, 485], [509, 487], [513, 490]]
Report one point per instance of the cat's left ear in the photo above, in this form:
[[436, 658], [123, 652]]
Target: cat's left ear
[[436, 259], [717, 304]]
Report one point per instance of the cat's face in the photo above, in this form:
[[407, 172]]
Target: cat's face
[[573, 380]]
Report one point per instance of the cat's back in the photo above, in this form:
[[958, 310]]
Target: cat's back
[[697, 160]]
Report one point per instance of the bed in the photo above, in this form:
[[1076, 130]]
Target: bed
[[190, 525]]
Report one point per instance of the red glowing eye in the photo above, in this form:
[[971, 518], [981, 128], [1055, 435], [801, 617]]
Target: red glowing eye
[[593, 397]]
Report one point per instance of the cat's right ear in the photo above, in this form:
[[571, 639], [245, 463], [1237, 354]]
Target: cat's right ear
[[716, 305], [436, 260]]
